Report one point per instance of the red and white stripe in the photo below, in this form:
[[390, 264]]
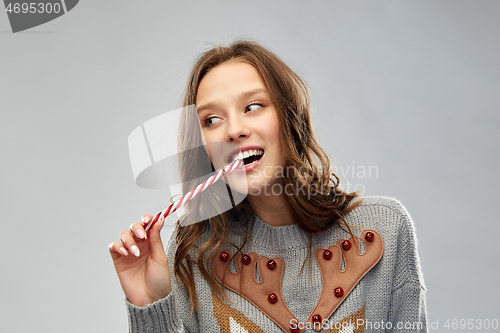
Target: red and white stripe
[[200, 188]]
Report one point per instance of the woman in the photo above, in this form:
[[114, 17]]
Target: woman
[[287, 258]]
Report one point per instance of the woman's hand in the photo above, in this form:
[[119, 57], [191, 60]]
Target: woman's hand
[[141, 263]]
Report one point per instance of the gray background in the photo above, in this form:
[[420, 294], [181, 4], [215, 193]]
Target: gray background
[[408, 87]]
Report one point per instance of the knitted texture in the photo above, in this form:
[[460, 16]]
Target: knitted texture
[[390, 297]]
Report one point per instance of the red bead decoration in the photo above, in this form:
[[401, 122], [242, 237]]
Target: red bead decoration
[[246, 259], [327, 255], [316, 318], [294, 328], [272, 298], [370, 236], [339, 292], [271, 264], [346, 245], [224, 256]]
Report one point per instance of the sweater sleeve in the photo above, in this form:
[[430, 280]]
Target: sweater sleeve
[[407, 311], [171, 314], [159, 316]]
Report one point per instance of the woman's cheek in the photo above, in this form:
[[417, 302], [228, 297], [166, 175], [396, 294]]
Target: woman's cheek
[[204, 142]]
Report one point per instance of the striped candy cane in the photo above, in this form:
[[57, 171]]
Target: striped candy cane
[[200, 188]]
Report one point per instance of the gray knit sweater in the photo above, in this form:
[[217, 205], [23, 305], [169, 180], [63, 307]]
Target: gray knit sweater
[[368, 293]]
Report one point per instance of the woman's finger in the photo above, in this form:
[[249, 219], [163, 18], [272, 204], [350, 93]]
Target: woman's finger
[[155, 238], [138, 230], [128, 240], [146, 221], [117, 250], [146, 218]]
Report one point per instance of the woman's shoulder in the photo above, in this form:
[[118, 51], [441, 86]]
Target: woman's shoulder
[[379, 213], [390, 218], [380, 202]]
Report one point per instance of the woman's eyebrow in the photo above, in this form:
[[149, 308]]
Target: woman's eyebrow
[[252, 92], [206, 106], [245, 94]]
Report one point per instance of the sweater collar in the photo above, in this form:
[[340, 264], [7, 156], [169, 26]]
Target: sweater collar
[[284, 237]]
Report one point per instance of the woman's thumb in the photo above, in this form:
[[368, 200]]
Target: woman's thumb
[[155, 237]]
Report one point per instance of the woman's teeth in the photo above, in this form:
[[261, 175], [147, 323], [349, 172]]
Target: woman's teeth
[[247, 153]]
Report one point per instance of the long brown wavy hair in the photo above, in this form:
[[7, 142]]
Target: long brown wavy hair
[[307, 161]]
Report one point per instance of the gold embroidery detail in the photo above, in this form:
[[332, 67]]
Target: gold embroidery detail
[[224, 312]]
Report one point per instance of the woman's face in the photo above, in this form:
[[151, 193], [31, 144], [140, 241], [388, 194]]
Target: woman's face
[[234, 107]]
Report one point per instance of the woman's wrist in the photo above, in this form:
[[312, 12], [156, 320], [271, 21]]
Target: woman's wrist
[[145, 300]]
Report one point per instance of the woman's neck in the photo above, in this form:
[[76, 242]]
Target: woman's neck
[[272, 209]]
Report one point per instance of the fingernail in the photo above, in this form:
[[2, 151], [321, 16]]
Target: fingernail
[[162, 222], [144, 219], [135, 250], [123, 251], [140, 233]]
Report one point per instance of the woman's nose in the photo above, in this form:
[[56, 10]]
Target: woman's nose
[[236, 130]]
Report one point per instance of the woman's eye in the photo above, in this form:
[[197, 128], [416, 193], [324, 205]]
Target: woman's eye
[[212, 120], [253, 107]]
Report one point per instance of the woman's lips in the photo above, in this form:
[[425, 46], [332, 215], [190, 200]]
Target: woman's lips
[[242, 150], [249, 167]]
